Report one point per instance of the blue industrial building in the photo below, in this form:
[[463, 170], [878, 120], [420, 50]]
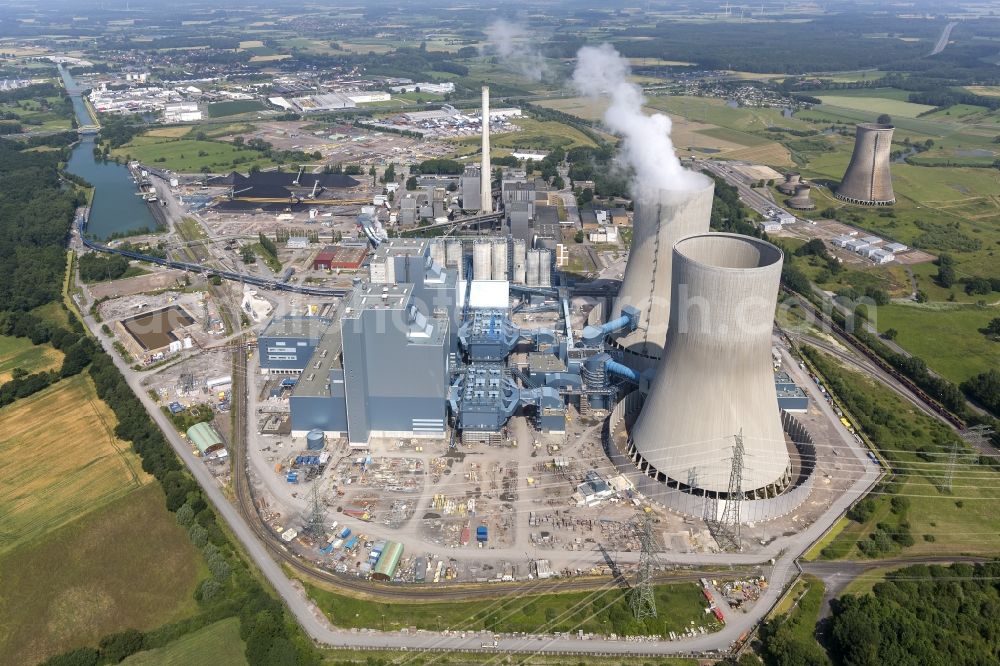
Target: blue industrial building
[[791, 398], [288, 342]]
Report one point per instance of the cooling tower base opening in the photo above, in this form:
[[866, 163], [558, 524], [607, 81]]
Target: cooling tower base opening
[[864, 202], [773, 501]]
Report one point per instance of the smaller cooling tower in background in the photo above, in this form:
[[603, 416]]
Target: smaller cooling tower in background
[[662, 218], [499, 260], [520, 261], [716, 378], [454, 257], [482, 263], [868, 181], [792, 181], [802, 199]]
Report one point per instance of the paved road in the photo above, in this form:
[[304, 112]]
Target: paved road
[[837, 575], [942, 41]]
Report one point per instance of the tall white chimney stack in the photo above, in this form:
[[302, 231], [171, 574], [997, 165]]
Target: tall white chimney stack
[[486, 178]]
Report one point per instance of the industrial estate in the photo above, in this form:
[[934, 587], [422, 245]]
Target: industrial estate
[[494, 347]]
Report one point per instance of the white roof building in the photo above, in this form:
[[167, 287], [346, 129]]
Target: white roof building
[[881, 256]]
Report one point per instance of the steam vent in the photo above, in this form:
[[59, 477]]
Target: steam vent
[[661, 219], [867, 181]]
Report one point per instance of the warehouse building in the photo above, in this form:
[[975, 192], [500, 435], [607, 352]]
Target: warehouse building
[[206, 438], [152, 335], [340, 257], [288, 342], [388, 561]]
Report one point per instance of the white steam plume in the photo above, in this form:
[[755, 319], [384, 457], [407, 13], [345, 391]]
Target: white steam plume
[[645, 146], [514, 45]]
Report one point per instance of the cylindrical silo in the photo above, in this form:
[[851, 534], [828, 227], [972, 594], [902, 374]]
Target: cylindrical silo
[[453, 256], [544, 268], [520, 260], [499, 260], [315, 440], [660, 221], [482, 266], [715, 380], [531, 274], [438, 254], [868, 181]]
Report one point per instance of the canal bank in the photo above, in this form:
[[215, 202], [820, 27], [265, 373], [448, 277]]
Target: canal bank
[[117, 207]]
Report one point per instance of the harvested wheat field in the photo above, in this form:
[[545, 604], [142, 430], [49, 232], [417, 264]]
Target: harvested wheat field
[[59, 459]]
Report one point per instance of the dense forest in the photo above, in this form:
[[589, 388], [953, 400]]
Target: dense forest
[[36, 211], [922, 615]]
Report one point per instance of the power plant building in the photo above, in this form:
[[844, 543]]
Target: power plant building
[[352, 385], [868, 181], [287, 343], [383, 332]]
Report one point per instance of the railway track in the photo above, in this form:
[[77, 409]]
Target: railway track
[[851, 341]]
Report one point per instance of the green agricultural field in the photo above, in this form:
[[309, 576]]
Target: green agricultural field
[[960, 521], [20, 353], [881, 93], [601, 611], [223, 109], [946, 337], [190, 155], [97, 575], [217, 644], [40, 492], [859, 75], [715, 112], [534, 134], [39, 115], [894, 107]]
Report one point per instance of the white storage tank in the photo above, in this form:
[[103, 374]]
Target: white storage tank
[[531, 277], [544, 268], [438, 252], [499, 260], [482, 265], [453, 256], [520, 259]]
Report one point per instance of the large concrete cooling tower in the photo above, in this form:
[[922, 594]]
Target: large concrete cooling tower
[[867, 181], [716, 379], [660, 221]]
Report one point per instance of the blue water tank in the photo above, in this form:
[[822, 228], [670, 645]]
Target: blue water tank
[[315, 440]]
